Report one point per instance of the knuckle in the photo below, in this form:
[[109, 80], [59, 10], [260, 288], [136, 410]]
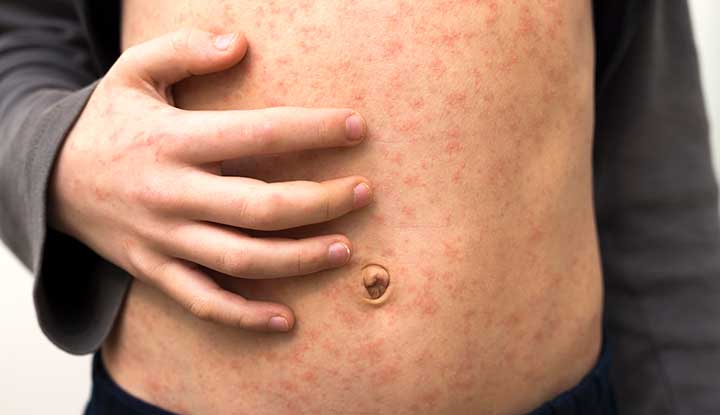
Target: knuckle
[[143, 194], [299, 257], [264, 211], [326, 203], [243, 207], [305, 261], [241, 320], [129, 56], [127, 63], [144, 266], [322, 130], [263, 216], [180, 40], [201, 307], [137, 261], [265, 133], [169, 140], [154, 195], [235, 262], [320, 203]]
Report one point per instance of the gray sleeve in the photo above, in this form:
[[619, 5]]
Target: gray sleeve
[[657, 212], [46, 78]]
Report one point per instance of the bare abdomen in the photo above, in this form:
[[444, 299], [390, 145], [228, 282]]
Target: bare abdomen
[[480, 121]]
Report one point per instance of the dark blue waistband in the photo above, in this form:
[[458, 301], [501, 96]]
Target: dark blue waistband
[[593, 395], [108, 398]]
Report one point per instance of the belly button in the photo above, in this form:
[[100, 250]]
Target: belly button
[[376, 283]]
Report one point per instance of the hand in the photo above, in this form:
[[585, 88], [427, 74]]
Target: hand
[[139, 182]]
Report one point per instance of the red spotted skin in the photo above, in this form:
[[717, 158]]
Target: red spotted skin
[[480, 119]]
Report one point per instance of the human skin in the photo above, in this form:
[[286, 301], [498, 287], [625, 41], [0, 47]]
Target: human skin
[[139, 181], [479, 118]]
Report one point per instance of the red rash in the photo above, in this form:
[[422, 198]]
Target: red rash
[[453, 146], [408, 212], [457, 175], [451, 251], [417, 104], [413, 181], [425, 301], [409, 126], [392, 49], [386, 374], [397, 158], [456, 100]]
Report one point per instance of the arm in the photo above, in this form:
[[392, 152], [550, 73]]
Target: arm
[[136, 182], [44, 65], [657, 212]]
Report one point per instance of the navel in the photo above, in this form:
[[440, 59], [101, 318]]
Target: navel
[[376, 283]]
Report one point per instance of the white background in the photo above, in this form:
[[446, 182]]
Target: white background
[[37, 378]]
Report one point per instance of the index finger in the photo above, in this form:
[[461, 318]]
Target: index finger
[[212, 136]]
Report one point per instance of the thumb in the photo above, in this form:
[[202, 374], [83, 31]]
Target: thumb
[[170, 58]]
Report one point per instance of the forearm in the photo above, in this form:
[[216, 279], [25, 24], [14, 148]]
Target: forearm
[[45, 80]]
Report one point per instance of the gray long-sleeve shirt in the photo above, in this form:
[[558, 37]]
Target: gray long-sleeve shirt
[[655, 192]]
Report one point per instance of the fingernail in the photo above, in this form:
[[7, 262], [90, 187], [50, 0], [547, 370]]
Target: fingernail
[[355, 127], [339, 253], [362, 195], [222, 42], [278, 323]]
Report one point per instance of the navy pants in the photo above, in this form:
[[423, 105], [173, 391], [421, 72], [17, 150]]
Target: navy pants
[[593, 395]]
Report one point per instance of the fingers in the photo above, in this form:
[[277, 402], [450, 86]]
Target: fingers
[[224, 135], [175, 56], [205, 299], [230, 252], [253, 204]]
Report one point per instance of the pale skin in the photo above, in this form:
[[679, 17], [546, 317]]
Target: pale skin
[[155, 201], [474, 282]]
